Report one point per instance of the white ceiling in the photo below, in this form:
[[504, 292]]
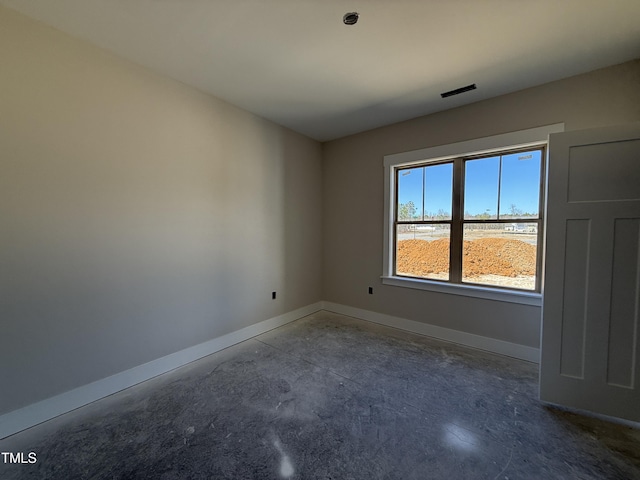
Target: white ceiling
[[296, 63]]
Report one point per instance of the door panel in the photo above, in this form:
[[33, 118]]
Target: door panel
[[590, 332], [604, 171], [575, 292], [623, 320]]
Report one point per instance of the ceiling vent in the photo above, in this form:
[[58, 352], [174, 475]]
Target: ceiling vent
[[458, 91]]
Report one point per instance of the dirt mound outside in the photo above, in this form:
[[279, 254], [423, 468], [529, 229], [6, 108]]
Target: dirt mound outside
[[484, 256]]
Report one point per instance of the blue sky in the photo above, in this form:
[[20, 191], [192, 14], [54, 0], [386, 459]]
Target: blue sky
[[519, 185]]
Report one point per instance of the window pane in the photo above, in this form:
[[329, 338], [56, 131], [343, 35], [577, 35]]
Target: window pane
[[423, 251], [438, 191], [410, 193], [502, 254], [481, 188], [520, 185]]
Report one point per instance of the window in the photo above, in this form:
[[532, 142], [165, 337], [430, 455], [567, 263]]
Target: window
[[468, 218], [487, 233]]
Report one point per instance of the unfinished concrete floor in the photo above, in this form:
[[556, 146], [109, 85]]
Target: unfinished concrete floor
[[331, 397]]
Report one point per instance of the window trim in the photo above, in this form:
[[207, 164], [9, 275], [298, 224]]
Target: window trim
[[519, 139]]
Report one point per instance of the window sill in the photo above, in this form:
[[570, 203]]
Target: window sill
[[500, 295]]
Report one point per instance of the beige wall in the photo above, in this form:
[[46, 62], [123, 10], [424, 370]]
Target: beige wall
[[138, 216], [353, 195]]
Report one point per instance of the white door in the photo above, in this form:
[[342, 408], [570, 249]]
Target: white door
[[590, 330]]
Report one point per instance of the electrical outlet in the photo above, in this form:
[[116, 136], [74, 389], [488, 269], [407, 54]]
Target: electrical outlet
[[273, 295]]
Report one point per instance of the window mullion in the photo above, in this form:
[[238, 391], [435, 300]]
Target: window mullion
[[499, 186], [424, 189], [455, 254]]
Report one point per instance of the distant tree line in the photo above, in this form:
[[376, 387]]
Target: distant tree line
[[408, 212]]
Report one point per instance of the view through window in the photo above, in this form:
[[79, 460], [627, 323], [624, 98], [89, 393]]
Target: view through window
[[473, 220]]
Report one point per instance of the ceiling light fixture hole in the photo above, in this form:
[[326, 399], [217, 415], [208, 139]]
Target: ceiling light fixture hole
[[351, 18]]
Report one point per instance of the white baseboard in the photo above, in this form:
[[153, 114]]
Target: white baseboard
[[599, 416], [44, 410], [493, 345]]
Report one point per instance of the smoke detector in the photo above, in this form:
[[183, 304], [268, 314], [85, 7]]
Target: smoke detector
[[350, 18]]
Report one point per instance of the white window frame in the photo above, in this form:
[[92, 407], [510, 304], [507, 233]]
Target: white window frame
[[532, 137]]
